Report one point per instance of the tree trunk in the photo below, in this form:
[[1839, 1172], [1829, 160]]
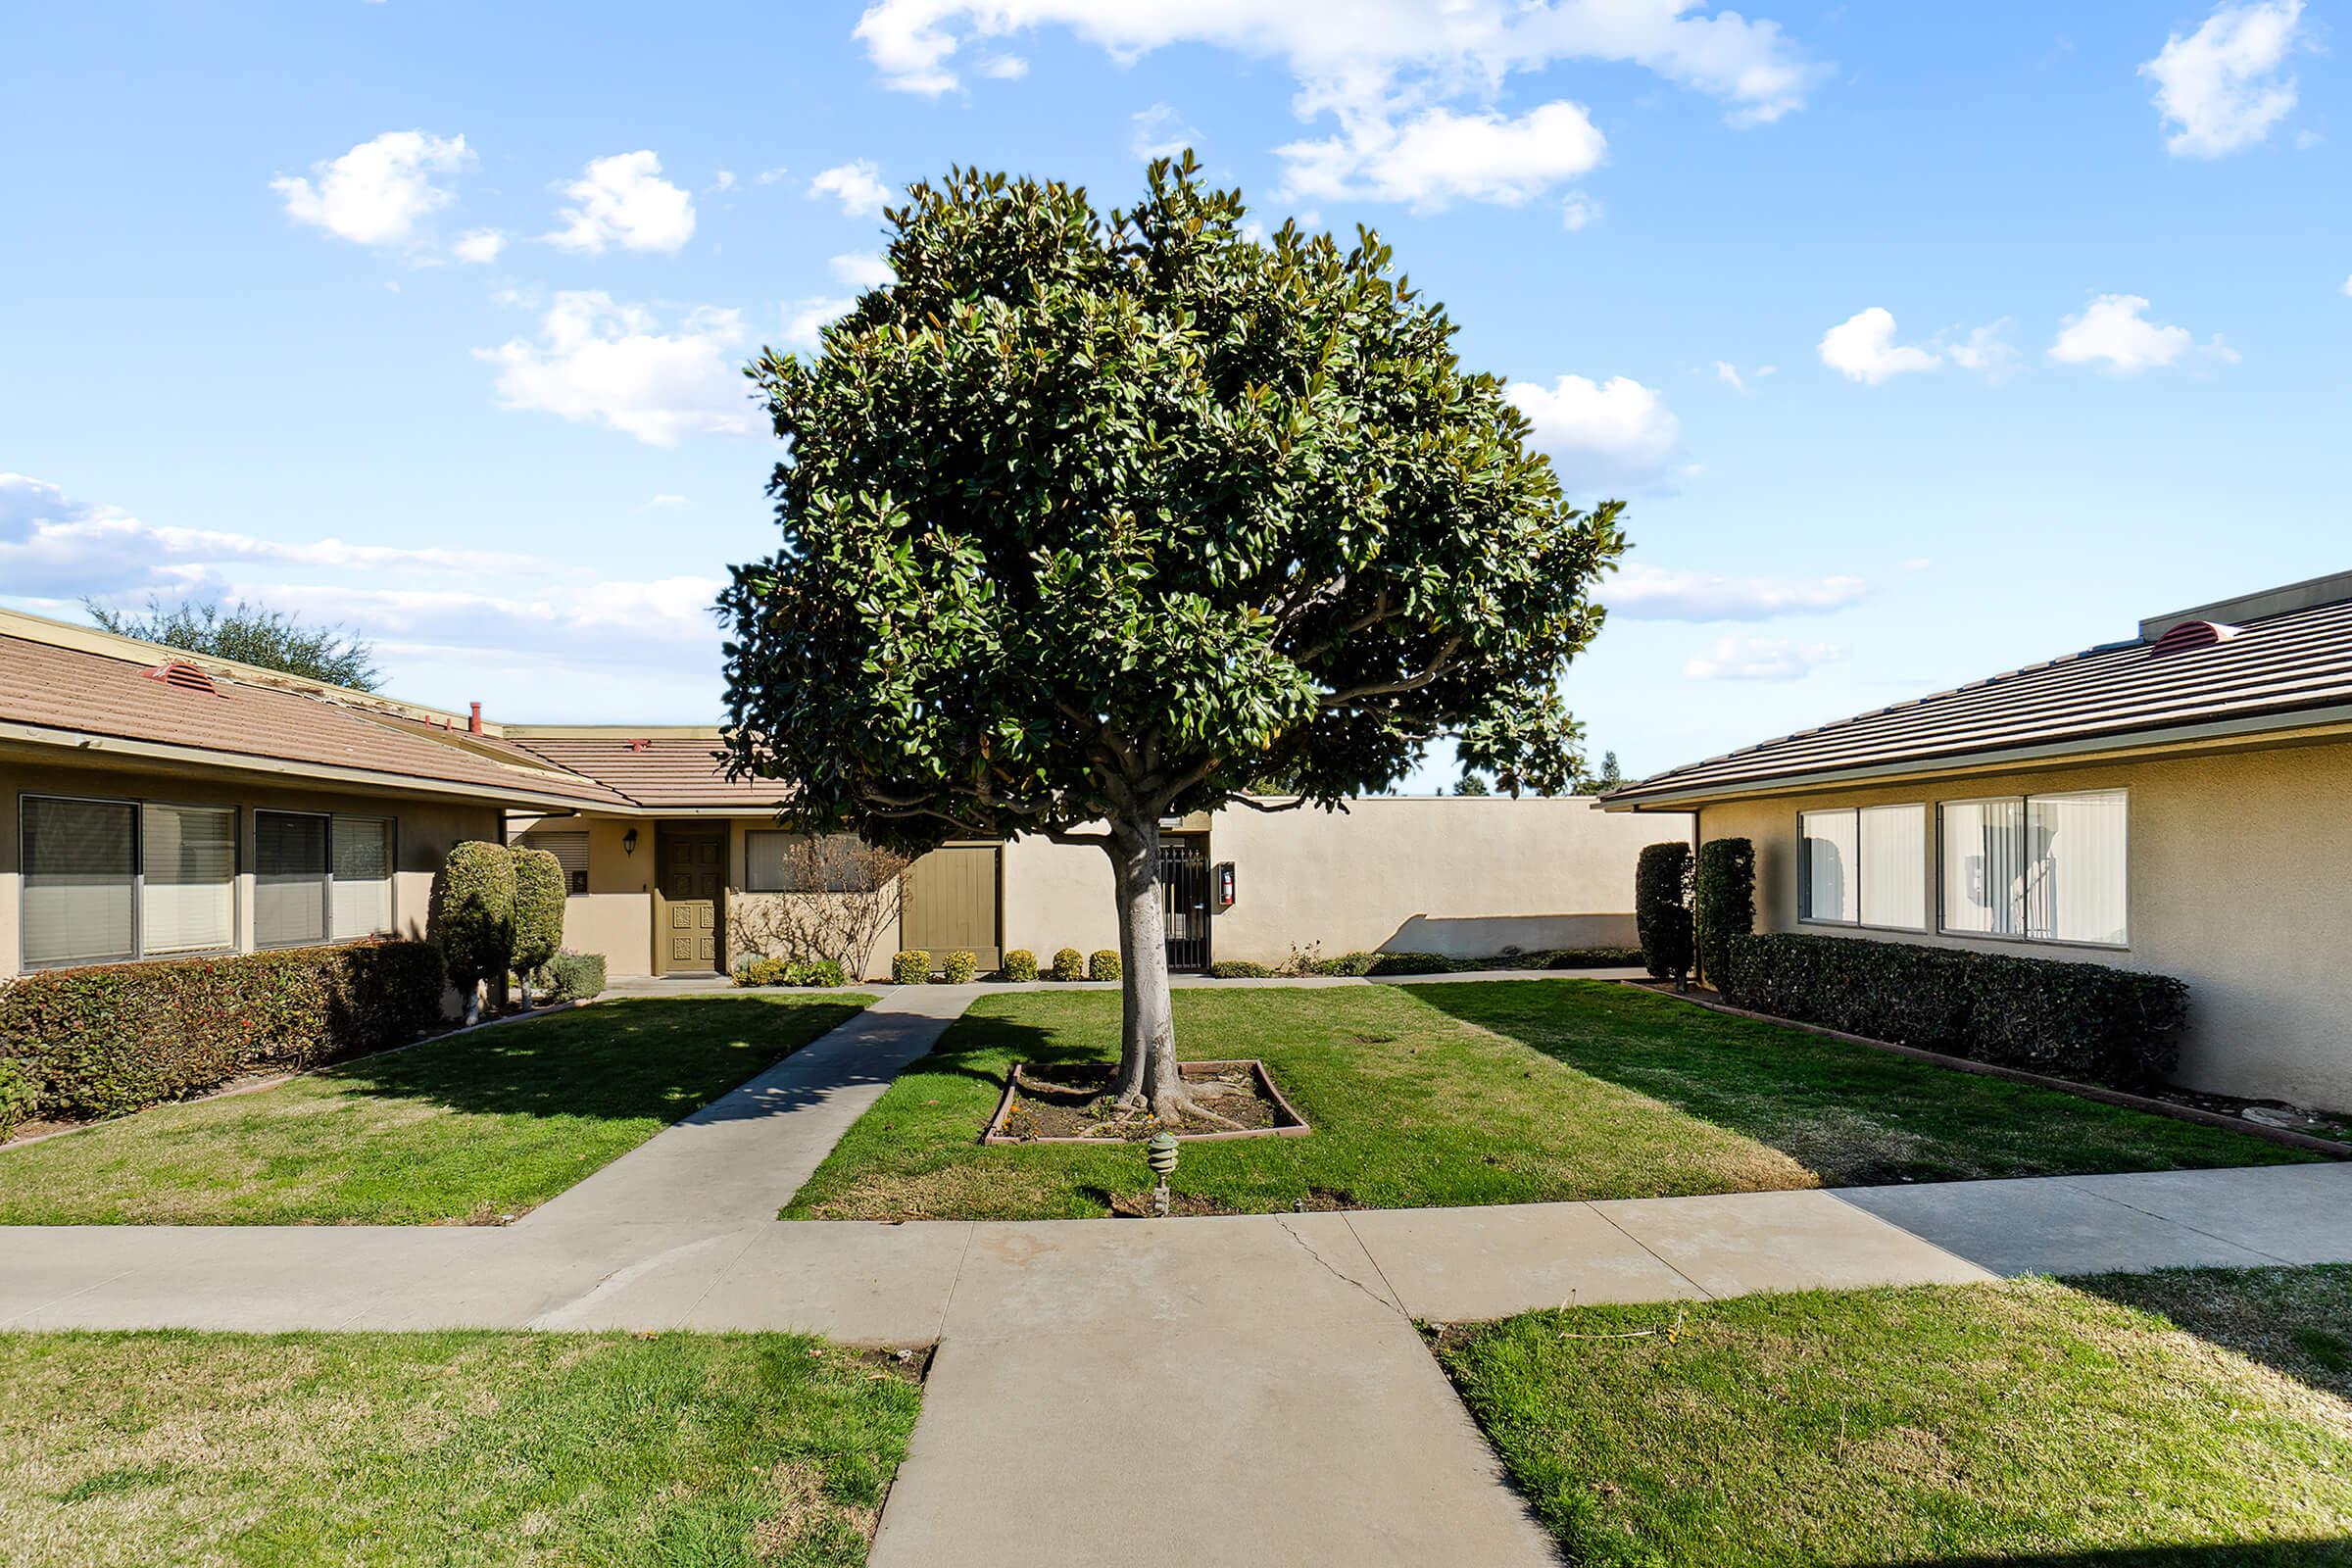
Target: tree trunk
[[1148, 1073]]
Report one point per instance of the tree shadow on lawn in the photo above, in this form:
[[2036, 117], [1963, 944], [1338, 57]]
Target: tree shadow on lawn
[[2249, 1554], [1852, 1116], [2298, 1321], [622, 1060]]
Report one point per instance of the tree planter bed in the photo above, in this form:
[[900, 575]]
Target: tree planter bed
[[1046, 1105]]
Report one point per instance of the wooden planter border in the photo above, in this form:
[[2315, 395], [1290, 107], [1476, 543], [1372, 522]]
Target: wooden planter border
[[1290, 1124], [2286, 1137]]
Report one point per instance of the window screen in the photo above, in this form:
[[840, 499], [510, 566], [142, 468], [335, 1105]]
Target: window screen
[[187, 893], [571, 851], [362, 896], [289, 884], [78, 861]]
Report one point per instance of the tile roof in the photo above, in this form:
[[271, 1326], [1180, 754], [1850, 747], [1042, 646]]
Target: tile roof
[[2268, 672], [50, 687], [676, 772]]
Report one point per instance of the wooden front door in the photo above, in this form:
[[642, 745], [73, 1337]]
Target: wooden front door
[[689, 909], [951, 904]]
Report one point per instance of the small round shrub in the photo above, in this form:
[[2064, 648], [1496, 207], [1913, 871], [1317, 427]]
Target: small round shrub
[[1102, 964], [764, 972], [1068, 965], [1240, 969], [825, 972], [958, 967], [909, 967], [1019, 965], [575, 976]]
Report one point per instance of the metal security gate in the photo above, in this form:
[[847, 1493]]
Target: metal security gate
[[1183, 894]]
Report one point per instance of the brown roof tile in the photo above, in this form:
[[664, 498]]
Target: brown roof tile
[[658, 771]]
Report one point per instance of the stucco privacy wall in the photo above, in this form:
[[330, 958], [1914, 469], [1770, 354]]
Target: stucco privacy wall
[[422, 831], [1465, 876], [2240, 871]]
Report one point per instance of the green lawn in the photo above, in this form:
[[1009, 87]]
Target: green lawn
[[475, 1128], [1479, 1092], [2200, 1418], [450, 1450]]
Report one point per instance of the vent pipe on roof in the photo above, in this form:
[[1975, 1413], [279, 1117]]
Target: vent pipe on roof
[[473, 725]]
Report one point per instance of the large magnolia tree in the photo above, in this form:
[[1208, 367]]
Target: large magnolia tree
[[1094, 520]]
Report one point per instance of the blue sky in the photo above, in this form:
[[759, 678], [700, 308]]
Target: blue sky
[[1922, 341]]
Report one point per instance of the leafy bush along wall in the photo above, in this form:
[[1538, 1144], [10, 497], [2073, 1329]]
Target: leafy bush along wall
[[116, 1038], [1662, 909], [2077, 1020], [1723, 902]]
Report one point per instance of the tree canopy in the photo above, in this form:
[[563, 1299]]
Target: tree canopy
[[1091, 519], [250, 636]]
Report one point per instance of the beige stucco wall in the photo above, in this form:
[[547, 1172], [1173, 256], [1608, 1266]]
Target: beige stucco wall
[[2240, 883], [614, 917], [423, 830]]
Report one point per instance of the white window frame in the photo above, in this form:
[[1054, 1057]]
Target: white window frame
[[2025, 816], [1805, 870], [138, 880]]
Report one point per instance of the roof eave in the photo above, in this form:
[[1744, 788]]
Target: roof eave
[[2186, 736]]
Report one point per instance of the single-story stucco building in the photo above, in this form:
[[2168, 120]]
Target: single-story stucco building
[[2176, 801], [154, 803]]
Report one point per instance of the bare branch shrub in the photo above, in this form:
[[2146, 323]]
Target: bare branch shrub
[[840, 895]]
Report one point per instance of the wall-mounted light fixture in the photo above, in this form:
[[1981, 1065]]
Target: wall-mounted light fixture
[[628, 842]]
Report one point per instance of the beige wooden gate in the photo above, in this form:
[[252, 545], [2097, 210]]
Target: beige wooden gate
[[951, 903]]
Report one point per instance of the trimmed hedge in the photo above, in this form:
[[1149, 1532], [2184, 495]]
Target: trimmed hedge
[[575, 976], [958, 967], [1723, 902], [2076, 1020], [1662, 909], [1102, 964], [1398, 964], [1239, 969], [1068, 965], [1019, 965], [909, 967], [120, 1036], [784, 972], [18, 1100]]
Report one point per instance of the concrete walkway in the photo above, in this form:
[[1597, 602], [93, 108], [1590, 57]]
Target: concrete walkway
[[1264, 1371]]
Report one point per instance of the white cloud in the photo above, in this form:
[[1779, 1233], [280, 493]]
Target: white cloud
[[1729, 375], [1439, 157], [2223, 85], [1577, 211], [1862, 348], [2348, 286], [597, 361], [1761, 658], [623, 200], [1988, 351], [1918, 564], [666, 500], [1005, 67], [768, 177], [1642, 591], [863, 269], [2114, 331], [724, 179], [1406, 80], [1159, 132], [380, 191], [1599, 434], [804, 321], [857, 186], [479, 246], [54, 545]]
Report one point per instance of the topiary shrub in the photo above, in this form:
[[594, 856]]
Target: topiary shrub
[[1662, 909], [120, 1036], [909, 967], [1723, 902], [575, 976], [471, 917], [1240, 969], [17, 1101], [539, 894], [2076, 1020], [1019, 965], [958, 967], [1102, 964], [1068, 965]]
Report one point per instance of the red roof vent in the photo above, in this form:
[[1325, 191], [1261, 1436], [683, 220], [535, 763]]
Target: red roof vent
[[187, 677], [2192, 634], [641, 746]]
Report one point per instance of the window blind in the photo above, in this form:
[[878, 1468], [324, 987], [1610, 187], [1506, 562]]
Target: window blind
[[187, 897], [290, 892], [363, 858], [1828, 866], [78, 871], [571, 851], [1894, 866]]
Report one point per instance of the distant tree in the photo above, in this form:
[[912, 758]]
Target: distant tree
[[1095, 519], [1471, 784], [250, 636], [1603, 780]]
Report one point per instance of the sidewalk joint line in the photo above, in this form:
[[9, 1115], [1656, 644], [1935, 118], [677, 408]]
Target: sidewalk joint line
[[1704, 1292], [1398, 1307], [2181, 1224], [1387, 1284], [971, 1229]]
